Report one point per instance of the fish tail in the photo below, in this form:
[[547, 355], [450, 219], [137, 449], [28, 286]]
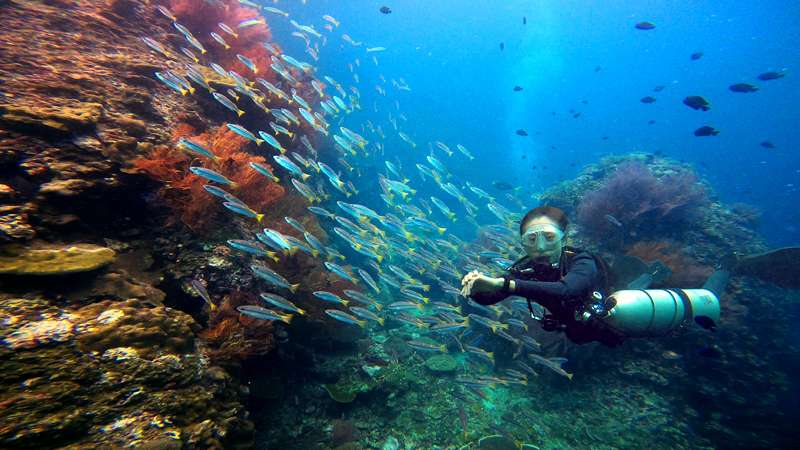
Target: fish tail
[[314, 253], [345, 302], [239, 112], [293, 287], [425, 300], [302, 312], [305, 176], [379, 258], [259, 141], [569, 375], [259, 217], [274, 256], [441, 230], [362, 323], [288, 317]]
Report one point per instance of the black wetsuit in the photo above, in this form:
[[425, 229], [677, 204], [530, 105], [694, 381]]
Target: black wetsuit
[[563, 291]]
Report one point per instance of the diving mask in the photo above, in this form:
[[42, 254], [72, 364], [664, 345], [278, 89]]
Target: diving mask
[[542, 238]]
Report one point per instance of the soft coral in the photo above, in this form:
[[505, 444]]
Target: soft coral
[[184, 192], [641, 201]]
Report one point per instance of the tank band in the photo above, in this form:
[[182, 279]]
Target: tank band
[[687, 306]]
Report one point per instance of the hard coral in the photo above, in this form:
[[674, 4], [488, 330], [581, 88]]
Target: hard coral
[[183, 191], [641, 202], [686, 272]]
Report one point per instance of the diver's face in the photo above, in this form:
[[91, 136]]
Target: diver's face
[[543, 240]]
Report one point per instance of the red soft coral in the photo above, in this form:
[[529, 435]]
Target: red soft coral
[[686, 272], [184, 192], [232, 336], [202, 17]]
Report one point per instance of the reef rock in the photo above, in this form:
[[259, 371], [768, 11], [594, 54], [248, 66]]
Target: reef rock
[[56, 261], [108, 375], [441, 363]]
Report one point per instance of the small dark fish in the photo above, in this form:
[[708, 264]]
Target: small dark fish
[[696, 55], [711, 351], [767, 144], [517, 88], [524, 20], [696, 102], [766, 76], [742, 87], [585, 102], [647, 99], [576, 115], [502, 185], [706, 322], [522, 132], [651, 121], [645, 26], [385, 10], [598, 69], [605, 138], [502, 46], [706, 131], [658, 88]]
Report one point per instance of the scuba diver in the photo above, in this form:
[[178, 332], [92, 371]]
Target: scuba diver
[[571, 285]]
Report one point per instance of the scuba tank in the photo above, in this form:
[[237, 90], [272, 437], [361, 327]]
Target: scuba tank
[[654, 312]]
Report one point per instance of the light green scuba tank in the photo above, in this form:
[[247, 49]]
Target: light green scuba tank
[[656, 312]]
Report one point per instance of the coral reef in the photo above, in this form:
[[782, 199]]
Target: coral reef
[[110, 374]]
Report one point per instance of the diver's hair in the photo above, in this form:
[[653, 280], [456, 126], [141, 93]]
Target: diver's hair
[[551, 212]]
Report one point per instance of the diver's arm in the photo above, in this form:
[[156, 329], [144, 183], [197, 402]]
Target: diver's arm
[[576, 283]]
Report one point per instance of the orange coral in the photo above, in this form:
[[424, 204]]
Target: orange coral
[[183, 191], [686, 272]]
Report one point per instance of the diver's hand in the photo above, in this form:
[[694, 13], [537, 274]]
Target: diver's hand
[[476, 283]]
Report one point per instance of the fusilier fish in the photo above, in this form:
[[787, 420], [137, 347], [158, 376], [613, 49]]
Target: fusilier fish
[[210, 175], [263, 313]]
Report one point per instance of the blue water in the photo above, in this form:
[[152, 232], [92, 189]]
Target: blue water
[[448, 51]]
